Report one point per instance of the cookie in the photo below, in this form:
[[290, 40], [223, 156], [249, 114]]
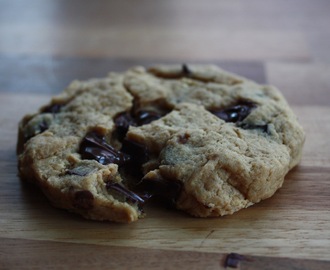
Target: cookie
[[205, 140]]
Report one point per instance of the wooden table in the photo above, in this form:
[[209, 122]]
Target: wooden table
[[46, 44]]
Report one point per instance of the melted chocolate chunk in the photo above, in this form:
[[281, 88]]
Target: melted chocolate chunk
[[83, 199], [236, 113], [141, 117], [129, 195], [160, 187], [138, 152], [139, 155], [95, 147], [122, 123], [144, 117]]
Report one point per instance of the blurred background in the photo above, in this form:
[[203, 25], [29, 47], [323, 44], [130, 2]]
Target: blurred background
[[44, 44]]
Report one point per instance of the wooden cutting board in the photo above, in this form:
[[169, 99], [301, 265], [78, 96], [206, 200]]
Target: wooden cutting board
[[294, 223]]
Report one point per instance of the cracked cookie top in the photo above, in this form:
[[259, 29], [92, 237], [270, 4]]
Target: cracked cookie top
[[207, 141]]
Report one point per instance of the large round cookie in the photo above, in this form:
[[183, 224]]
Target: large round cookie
[[208, 141]]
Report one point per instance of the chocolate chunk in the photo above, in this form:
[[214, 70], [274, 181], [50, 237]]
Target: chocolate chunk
[[186, 72], [144, 117], [139, 155], [138, 152], [52, 108], [41, 127], [263, 128], [122, 123], [129, 195], [95, 147], [83, 199], [160, 187], [233, 260], [141, 117], [235, 113]]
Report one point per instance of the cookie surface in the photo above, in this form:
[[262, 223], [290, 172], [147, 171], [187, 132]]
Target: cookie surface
[[208, 141]]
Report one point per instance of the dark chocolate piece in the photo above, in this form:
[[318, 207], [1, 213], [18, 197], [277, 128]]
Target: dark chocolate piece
[[186, 72], [139, 155], [138, 152], [95, 147], [263, 128], [122, 123], [235, 113], [41, 127], [160, 187], [83, 199], [129, 195], [52, 108], [144, 117], [233, 260]]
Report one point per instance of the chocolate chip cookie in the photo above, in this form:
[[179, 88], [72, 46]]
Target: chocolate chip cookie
[[205, 140]]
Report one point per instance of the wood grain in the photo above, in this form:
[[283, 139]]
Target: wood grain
[[32, 254], [46, 44]]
